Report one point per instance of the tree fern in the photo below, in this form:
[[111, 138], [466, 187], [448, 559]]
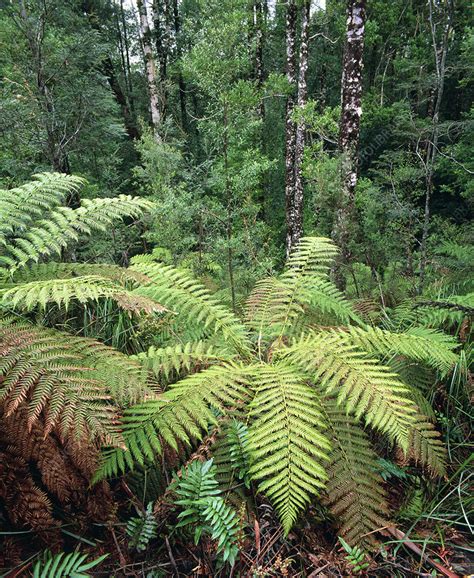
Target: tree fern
[[276, 377]]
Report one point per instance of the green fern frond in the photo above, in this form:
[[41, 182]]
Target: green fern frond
[[437, 313], [28, 296], [142, 529], [44, 228], [48, 271], [364, 386], [192, 301], [323, 297], [446, 312], [182, 413], [279, 306], [286, 440], [312, 256], [425, 447], [355, 492], [19, 207], [199, 495], [310, 261], [275, 308], [182, 357], [427, 346], [224, 528], [72, 565], [261, 302], [231, 455]]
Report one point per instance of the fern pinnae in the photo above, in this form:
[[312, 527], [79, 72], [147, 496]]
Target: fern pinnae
[[364, 386], [286, 440], [355, 492], [182, 413], [191, 300], [433, 348], [182, 357]]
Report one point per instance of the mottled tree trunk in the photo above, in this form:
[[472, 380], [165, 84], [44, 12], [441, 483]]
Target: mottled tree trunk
[[301, 127], [150, 69], [290, 126], [351, 100], [440, 49]]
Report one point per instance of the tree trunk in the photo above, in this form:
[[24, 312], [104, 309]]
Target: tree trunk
[[351, 100], [150, 68], [440, 54], [301, 127], [290, 127]]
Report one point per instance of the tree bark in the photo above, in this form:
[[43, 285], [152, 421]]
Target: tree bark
[[351, 110], [301, 127], [440, 54], [290, 126], [150, 68]]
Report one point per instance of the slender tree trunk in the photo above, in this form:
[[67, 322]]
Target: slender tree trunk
[[290, 127], [440, 54], [351, 100], [150, 68], [301, 127]]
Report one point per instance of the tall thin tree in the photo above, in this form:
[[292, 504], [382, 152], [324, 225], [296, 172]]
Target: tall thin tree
[[290, 126], [150, 68], [300, 125], [351, 110]]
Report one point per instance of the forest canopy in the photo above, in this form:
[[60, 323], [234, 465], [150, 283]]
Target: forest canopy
[[236, 287]]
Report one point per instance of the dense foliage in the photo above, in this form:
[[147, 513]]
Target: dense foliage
[[183, 390]]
